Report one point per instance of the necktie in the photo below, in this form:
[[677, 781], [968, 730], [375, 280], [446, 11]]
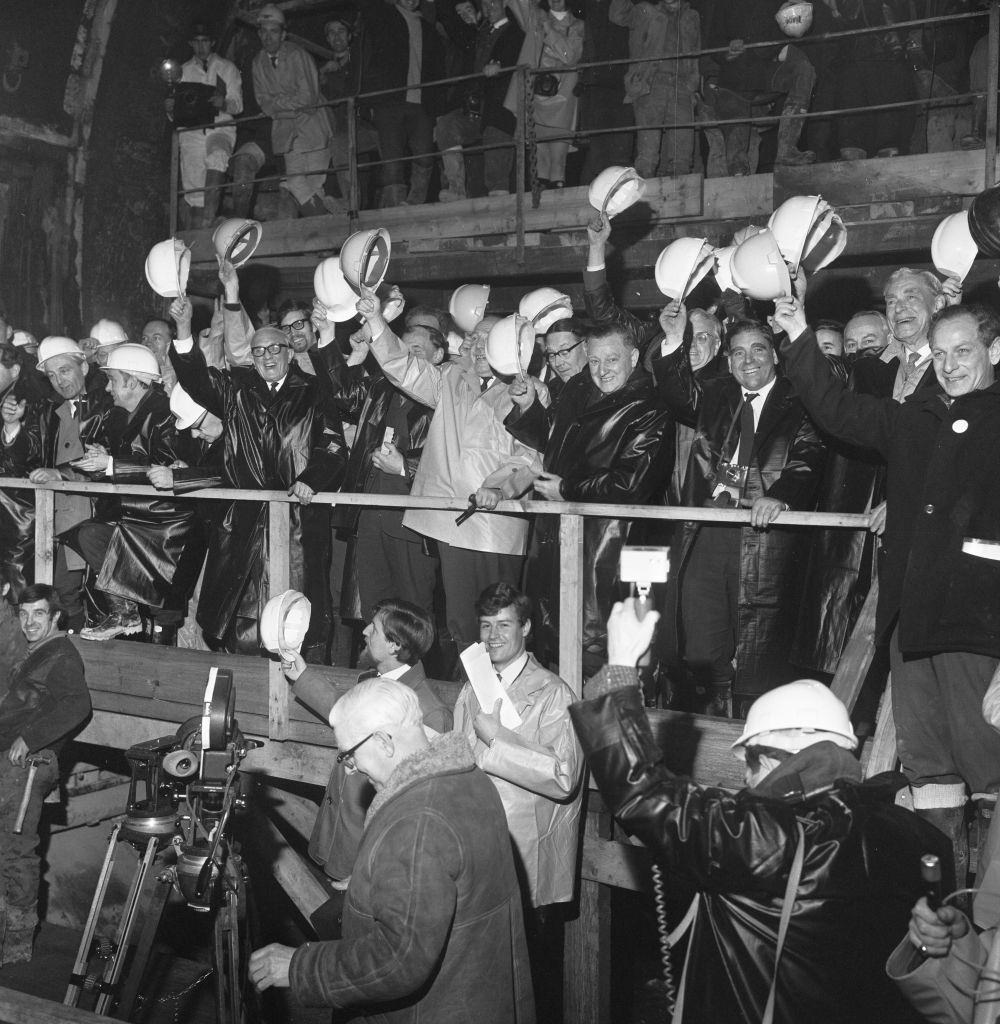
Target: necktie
[[274, 59], [483, 385], [746, 428], [272, 386]]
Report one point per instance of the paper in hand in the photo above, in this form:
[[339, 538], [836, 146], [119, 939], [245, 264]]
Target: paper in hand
[[487, 686]]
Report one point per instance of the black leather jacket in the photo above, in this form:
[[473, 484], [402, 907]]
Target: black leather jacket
[[861, 872]]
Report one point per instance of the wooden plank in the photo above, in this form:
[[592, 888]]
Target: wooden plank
[[858, 652], [571, 601], [882, 756], [992, 72], [278, 550], [20, 1008], [292, 873], [45, 550], [746, 198], [621, 865]]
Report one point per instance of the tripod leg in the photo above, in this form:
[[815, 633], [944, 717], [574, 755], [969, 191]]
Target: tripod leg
[[83, 953], [152, 915]]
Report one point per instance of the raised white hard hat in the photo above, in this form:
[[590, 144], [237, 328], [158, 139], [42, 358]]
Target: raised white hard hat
[[185, 409], [364, 258], [108, 332], [334, 292], [56, 345], [808, 231], [953, 250], [21, 338], [237, 239], [615, 189], [545, 307], [759, 269], [134, 359], [504, 350], [272, 14], [681, 265], [724, 268], [745, 232], [284, 622], [795, 18], [467, 305], [805, 705], [167, 267]]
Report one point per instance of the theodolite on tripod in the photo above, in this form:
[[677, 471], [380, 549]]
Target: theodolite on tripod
[[183, 791]]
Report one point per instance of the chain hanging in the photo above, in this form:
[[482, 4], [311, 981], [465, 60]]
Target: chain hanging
[[535, 185]]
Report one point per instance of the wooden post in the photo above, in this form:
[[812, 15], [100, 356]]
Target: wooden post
[[278, 541], [353, 197], [519, 186], [45, 551], [586, 969], [175, 167], [992, 65]]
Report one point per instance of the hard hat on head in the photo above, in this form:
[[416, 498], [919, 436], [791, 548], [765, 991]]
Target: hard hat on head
[[467, 305], [134, 359], [58, 346], [795, 18], [108, 332], [185, 409], [21, 338], [269, 14], [795, 716]]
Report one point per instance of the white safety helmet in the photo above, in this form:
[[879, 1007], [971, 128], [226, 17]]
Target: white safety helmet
[[795, 18], [284, 622], [237, 239], [467, 305], [504, 352], [364, 258], [681, 265], [167, 267], [615, 189], [21, 339], [545, 307], [55, 345], [795, 716], [758, 268], [185, 409], [809, 232], [134, 359], [724, 268], [745, 232], [108, 332], [953, 250], [334, 292]]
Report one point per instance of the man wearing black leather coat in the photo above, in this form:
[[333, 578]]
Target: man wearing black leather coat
[[735, 851]]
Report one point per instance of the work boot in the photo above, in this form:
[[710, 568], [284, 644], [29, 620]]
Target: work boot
[[214, 181], [789, 130], [951, 821], [122, 620], [420, 178], [453, 187]]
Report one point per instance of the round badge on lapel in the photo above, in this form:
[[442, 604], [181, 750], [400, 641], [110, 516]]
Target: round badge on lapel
[[960, 426]]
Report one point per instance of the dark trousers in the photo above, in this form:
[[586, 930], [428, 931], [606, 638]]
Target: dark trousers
[[465, 575], [68, 585], [401, 126], [392, 566], [457, 128], [710, 604], [317, 538], [941, 735], [544, 929]]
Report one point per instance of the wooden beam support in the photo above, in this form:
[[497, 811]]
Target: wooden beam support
[[571, 601], [278, 548], [45, 543], [20, 1008], [292, 873], [856, 659]]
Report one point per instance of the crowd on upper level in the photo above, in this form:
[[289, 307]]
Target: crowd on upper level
[[759, 59]]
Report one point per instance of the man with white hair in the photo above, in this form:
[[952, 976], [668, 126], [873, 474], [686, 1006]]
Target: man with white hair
[[802, 882], [145, 552], [105, 336], [432, 926], [77, 419]]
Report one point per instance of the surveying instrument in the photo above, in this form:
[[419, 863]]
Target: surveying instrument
[[178, 823]]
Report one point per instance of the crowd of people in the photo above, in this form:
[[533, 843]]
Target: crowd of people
[[718, 59]]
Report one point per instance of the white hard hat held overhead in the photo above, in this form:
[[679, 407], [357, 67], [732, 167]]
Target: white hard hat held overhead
[[284, 622], [759, 270], [185, 409], [108, 332], [724, 268], [334, 292], [809, 232], [545, 307], [953, 250], [681, 265], [364, 258], [167, 267], [467, 305], [134, 359], [797, 715], [56, 345], [504, 350], [615, 189], [237, 239]]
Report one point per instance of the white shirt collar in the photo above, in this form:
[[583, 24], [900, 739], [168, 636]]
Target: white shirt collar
[[395, 673], [513, 670], [758, 403]]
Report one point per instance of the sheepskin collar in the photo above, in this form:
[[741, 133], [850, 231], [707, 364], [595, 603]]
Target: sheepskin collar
[[446, 753]]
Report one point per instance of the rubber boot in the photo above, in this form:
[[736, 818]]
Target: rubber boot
[[189, 217], [951, 821], [453, 187], [312, 207], [420, 178], [214, 181], [789, 130], [243, 171]]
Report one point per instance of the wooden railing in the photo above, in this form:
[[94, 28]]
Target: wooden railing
[[139, 692]]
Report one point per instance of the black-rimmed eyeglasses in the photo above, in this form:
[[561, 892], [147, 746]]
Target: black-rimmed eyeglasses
[[346, 757], [258, 350], [553, 356], [295, 325]]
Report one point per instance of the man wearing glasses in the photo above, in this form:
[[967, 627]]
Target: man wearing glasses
[[564, 353], [279, 434], [432, 928]]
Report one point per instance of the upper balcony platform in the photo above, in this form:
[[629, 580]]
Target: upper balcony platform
[[890, 207]]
